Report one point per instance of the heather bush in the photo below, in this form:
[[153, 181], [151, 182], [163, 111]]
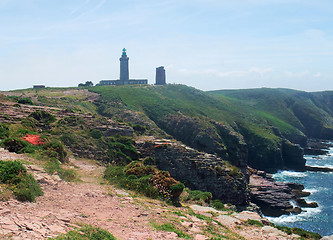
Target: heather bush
[[147, 180]]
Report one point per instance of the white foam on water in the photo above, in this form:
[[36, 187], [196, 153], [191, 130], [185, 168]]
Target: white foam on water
[[330, 151], [310, 157], [311, 190], [293, 174], [322, 166], [304, 216]]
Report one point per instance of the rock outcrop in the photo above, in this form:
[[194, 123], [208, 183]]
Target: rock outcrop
[[275, 198], [293, 156], [200, 171]]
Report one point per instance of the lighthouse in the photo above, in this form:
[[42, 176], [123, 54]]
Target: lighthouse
[[124, 71]]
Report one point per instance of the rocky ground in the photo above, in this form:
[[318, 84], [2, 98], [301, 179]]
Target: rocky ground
[[65, 206], [274, 198]]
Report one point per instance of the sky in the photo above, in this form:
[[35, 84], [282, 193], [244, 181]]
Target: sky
[[207, 44]]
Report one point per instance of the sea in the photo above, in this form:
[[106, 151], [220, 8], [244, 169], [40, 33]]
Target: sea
[[320, 185]]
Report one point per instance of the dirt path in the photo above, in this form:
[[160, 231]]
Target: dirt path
[[64, 205]]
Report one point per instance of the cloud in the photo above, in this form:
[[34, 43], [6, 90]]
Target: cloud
[[236, 73], [302, 74]]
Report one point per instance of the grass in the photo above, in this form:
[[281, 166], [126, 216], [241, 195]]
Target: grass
[[52, 165], [289, 110], [168, 227], [301, 232], [86, 232], [254, 223]]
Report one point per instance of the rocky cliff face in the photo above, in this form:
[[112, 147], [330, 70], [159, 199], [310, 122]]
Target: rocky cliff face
[[293, 156], [208, 136], [240, 147], [200, 171]]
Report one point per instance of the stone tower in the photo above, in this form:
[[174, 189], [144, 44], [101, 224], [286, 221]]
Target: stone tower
[[160, 76], [124, 72]]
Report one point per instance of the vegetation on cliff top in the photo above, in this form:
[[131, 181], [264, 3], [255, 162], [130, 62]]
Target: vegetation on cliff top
[[311, 113], [220, 125]]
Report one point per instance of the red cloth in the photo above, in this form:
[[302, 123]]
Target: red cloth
[[33, 139]]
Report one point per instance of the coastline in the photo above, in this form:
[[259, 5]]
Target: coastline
[[317, 180]]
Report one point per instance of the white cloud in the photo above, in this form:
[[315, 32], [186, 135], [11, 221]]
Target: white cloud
[[235, 73]]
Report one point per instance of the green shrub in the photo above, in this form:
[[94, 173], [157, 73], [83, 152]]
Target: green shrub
[[87, 232], [177, 189], [117, 175], [284, 229], [10, 171], [4, 131], [199, 196], [27, 189], [306, 234], [121, 150], [254, 223], [43, 117], [139, 128], [23, 185], [30, 123], [147, 180], [301, 232], [95, 133], [25, 100], [72, 121], [218, 205], [18, 145], [55, 149], [67, 138]]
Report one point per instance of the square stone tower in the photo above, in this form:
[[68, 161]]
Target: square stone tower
[[160, 76]]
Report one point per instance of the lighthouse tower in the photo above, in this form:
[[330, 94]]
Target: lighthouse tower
[[124, 72]]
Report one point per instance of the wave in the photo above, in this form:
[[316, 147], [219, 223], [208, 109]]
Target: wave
[[311, 157], [294, 174], [304, 216], [311, 190]]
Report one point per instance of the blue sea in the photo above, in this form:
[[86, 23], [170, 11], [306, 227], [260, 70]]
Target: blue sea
[[320, 185]]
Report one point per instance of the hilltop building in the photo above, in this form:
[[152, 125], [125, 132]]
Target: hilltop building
[[124, 74], [160, 76], [38, 86]]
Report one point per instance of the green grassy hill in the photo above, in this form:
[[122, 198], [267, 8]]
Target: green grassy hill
[[311, 113], [233, 127]]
